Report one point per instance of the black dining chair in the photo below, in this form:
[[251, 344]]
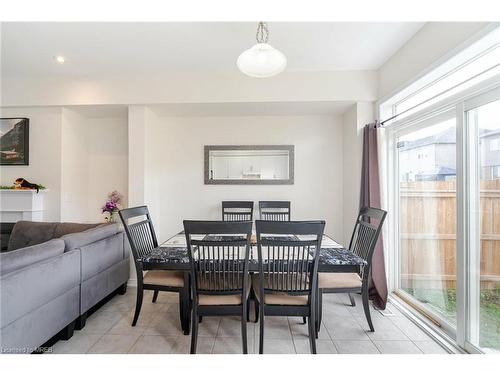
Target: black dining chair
[[363, 240], [274, 210], [142, 238], [286, 285], [237, 211], [218, 254]]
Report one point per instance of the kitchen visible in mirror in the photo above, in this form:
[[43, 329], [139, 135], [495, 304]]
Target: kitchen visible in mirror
[[249, 165]]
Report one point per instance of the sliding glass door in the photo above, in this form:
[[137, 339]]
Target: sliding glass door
[[483, 256], [446, 217], [427, 217]]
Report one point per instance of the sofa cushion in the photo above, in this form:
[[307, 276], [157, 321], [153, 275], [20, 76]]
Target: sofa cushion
[[98, 256], [29, 288], [13, 260], [28, 233], [78, 240], [63, 229]]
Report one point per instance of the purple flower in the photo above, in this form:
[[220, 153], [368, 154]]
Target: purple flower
[[113, 203]]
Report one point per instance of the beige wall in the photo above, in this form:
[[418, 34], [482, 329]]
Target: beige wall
[[45, 155], [354, 120], [79, 155], [174, 167]]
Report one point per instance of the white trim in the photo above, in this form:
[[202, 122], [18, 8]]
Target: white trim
[[456, 106], [462, 223], [438, 335], [492, 84], [467, 43]]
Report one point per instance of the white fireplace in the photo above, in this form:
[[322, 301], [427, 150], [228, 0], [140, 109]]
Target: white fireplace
[[18, 205]]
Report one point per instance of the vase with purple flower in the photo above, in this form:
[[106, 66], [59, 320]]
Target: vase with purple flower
[[112, 206]]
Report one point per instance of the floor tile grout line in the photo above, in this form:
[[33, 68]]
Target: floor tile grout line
[[135, 342]]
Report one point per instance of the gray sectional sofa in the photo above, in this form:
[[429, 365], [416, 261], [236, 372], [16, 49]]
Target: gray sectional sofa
[[52, 275]]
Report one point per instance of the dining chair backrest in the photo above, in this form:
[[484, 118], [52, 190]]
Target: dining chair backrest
[[139, 229], [274, 210], [218, 254], [366, 233], [288, 255], [237, 211]]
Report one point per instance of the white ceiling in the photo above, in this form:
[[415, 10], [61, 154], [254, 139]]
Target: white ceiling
[[98, 49]]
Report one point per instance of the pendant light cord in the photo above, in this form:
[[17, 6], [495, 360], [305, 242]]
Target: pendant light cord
[[262, 34]]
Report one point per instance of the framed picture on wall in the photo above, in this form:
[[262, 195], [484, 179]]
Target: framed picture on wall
[[14, 141]]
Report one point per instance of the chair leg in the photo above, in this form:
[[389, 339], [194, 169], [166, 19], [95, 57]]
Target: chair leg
[[261, 330], [304, 320], [366, 307], [155, 296], [256, 307], [138, 304], [312, 332], [244, 318], [351, 298], [194, 331], [319, 312], [184, 310]]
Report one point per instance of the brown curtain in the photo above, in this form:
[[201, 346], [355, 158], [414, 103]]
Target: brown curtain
[[370, 197]]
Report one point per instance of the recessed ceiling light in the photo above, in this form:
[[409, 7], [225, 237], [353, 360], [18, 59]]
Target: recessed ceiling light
[[60, 59]]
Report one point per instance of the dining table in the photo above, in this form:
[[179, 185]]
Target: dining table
[[172, 254]]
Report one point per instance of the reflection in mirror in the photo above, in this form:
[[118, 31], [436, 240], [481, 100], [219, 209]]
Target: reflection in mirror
[[249, 164]]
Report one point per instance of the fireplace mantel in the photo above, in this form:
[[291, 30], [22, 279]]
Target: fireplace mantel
[[18, 205]]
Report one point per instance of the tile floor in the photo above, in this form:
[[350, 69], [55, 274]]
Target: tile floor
[[344, 330]]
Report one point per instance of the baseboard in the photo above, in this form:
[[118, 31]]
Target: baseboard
[[132, 282]]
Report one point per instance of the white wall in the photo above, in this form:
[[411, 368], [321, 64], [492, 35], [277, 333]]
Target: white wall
[[354, 120], [45, 155], [107, 161], [74, 166], [94, 162], [174, 163], [428, 45], [79, 155]]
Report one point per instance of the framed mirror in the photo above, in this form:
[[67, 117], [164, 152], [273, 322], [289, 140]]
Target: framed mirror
[[249, 165]]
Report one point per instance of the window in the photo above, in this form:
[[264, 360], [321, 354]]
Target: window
[[427, 226], [444, 195], [478, 62], [483, 329]]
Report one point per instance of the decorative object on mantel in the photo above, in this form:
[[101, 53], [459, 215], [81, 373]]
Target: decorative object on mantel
[[14, 141], [112, 206], [262, 60], [23, 184]]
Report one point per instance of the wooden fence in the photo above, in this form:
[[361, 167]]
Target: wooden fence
[[428, 234]]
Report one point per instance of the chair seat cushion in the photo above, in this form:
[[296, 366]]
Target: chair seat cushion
[[330, 280], [278, 298], [164, 278], [217, 300]]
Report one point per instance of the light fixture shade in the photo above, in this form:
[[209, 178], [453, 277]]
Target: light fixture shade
[[262, 60]]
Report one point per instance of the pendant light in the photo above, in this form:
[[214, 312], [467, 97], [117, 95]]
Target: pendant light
[[262, 60]]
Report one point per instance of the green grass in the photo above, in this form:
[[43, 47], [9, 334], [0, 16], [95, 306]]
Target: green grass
[[444, 303]]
